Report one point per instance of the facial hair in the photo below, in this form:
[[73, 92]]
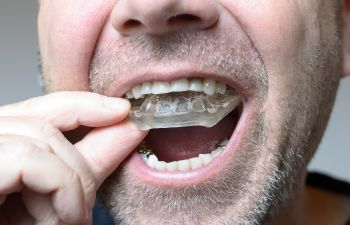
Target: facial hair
[[267, 168]]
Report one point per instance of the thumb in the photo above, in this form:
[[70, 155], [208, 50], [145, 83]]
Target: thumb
[[105, 148]]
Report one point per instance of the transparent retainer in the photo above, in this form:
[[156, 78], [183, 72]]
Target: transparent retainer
[[182, 109]]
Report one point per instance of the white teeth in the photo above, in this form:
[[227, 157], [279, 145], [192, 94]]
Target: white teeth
[[196, 163], [215, 153], [183, 165], [172, 166], [137, 91], [206, 158], [152, 160], [196, 85], [146, 88], [129, 95], [160, 87], [209, 86], [180, 85], [160, 165]]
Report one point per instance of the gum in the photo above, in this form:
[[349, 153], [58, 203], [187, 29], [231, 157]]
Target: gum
[[182, 109]]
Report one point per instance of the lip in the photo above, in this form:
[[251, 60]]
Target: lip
[[140, 170], [136, 165], [119, 88]]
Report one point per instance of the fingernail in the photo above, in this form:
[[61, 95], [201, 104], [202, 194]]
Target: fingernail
[[118, 104]]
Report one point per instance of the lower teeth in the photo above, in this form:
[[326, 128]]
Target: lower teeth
[[183, 165], [182, 109]]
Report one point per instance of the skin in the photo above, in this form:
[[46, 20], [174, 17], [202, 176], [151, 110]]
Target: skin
[[295, 56]]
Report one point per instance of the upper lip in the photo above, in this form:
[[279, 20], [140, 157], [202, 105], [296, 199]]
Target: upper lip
[[119, 89]]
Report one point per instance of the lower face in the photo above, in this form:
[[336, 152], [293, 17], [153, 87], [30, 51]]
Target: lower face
[[287, 92]]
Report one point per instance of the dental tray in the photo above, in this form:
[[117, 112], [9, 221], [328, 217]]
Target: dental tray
[[182, 109]]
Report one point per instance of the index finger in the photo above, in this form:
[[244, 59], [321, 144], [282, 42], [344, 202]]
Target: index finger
[[68, 110]]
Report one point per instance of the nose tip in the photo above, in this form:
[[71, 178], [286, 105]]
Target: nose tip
[[159, 17]]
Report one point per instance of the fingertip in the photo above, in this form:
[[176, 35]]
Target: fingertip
[[118, 104]]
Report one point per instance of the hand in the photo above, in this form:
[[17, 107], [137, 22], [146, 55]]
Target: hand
[[45, 179]]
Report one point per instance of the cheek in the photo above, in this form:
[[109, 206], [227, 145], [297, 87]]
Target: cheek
[[276, 27], [281, 35], [68, 32]]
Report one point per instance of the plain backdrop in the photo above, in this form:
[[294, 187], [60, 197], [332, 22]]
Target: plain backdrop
[[19, 80]]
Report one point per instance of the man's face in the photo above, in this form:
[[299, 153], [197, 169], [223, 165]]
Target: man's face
[[283, 57]]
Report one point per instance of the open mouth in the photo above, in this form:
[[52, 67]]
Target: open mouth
[[191, 122]]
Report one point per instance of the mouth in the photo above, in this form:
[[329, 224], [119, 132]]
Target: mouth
[[189, 147]]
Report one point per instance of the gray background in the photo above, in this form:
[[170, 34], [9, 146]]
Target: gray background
[[19, 81]]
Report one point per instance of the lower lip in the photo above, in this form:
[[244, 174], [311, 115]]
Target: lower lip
[[138, 168]]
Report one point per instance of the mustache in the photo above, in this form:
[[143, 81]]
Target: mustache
[[226, 53]]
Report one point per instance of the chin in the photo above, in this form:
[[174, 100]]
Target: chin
[[241, 170]]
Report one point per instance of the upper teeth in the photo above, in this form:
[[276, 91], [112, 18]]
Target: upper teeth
[[208, 86]]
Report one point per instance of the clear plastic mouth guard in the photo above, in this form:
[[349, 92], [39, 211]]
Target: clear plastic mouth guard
[[182, 109]]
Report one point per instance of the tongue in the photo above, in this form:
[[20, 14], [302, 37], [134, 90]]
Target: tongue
[[175, 144]]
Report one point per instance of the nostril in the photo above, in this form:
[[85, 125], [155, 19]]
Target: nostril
[[160, 17], [131, 24], [183, 19]]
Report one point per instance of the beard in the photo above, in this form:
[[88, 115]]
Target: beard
[[225, 199], [268, 168]]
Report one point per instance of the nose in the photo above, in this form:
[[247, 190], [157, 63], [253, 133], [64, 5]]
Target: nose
[[158, 17]]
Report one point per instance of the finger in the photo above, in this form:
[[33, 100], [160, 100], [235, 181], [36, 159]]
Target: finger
[[44, 173], [13, 138], [42, 210], [68, 110], [39, 206], [105, 148], [14, 212], [46, 133], [19, 143]]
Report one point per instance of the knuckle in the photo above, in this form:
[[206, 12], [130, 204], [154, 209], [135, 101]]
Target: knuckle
[[28, 147], [28, 107], [24, 142], [72, 177], [46, 147], [17, 146], [21, 151], [49, 130]]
